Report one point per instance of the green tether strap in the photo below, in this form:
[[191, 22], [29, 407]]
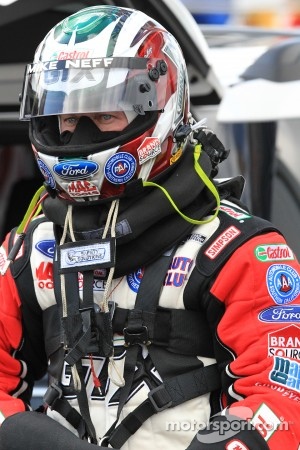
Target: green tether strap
[[208, 183]]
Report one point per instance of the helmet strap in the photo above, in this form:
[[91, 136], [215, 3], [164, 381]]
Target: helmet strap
[[207, 182]]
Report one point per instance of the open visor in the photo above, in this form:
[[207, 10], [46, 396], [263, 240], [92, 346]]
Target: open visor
[[94, 85]]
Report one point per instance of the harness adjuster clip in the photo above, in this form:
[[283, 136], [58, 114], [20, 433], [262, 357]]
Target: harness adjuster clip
[[104, 441], [134, 335], [53, 393], [160, 398]]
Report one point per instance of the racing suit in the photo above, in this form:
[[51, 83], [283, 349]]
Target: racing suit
[[229, 298]]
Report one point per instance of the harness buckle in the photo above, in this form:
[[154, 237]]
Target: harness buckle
[[53, 393], [160, 398], [136, 335]]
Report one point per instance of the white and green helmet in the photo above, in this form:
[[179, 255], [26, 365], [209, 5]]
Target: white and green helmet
[[106, 58]]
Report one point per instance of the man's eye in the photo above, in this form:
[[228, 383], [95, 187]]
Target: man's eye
[[106, 116], [71, 120]]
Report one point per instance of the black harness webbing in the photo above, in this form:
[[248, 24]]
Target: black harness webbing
[[77, 330], [179, 331], [174, 390], [53, 398], [136, 332]]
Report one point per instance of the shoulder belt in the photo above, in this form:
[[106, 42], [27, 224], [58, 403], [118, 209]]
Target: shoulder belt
[[229, 236], [31, 312], [22, 261]]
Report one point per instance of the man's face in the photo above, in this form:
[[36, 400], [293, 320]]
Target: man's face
[[105, 121]]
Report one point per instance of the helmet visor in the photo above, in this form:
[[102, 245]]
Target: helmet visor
[[93, 85]]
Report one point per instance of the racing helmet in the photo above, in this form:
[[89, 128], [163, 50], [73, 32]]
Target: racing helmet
[[99, 59]]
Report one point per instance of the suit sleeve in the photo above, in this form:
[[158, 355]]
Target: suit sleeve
[[12, 371], [260, 328]]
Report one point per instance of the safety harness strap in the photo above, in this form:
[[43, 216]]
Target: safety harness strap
[[170, 393], [54, 399], [76, 327], [84, 405], [177, 330], [136, 333]]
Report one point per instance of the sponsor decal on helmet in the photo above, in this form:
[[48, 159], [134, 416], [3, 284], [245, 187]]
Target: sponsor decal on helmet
[[134, 279], [222, 241], [120, 168], [63, 64], [273, 252], [46, 173], [285, 342], [76, 169], [280, 314], [74, 54], [286, 372], [283, 283], [46, 247], [82, 188], [149, 149]]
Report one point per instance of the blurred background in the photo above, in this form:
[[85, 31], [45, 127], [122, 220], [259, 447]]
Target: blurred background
[[244, 75], [254, 50], [262, 13]]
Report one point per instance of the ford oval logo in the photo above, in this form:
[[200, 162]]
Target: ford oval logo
[[280, 314], [47, 247], [76, 169]]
